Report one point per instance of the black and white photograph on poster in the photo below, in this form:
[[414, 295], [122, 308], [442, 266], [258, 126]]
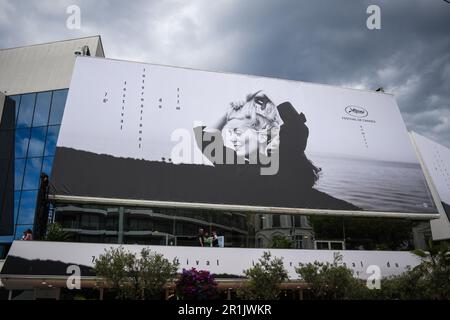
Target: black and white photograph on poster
[[151, 132]]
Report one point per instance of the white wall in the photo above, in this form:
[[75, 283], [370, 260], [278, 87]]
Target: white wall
[[42, 67], [230, 261]]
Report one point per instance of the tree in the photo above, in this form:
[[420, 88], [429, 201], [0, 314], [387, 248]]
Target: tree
[[113, 267], [407, 286], [55, 232], [281, 242], [331, 280], [135, 276], [434, 270], [154, 272], [430, 280], [264, 279]]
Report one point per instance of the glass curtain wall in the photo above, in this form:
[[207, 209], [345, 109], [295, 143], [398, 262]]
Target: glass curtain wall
[[37, 121]]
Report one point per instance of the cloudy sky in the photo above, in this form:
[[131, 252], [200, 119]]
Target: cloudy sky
[[323, 41]]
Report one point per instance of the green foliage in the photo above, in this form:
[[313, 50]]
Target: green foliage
[[430, 280], [264, 279], [55, 232], [281, 242], [135, 276], [331, 280], [154, 271], [406, 286]]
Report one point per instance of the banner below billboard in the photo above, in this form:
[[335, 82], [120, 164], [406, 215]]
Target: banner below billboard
[[40, 259], [138, 131]]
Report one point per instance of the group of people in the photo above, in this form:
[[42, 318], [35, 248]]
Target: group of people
[[206, 240]]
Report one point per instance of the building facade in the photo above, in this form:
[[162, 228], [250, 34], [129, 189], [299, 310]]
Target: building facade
[[34, 85], [34, 81]]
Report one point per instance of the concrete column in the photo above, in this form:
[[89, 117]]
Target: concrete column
[[121, 222], [229, 294], [300, 294]]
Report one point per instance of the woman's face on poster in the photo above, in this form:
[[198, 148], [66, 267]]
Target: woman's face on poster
[[240, 136], [240, 133]]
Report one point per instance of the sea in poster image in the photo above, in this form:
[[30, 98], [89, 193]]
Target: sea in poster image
[[375, 185]]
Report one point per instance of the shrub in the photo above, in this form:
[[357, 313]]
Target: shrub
[[331, 280], [55, 232], [196, 284], [134, 276], [264, 279]]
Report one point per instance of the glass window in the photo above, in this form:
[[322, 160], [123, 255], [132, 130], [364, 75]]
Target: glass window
[[5, 239], [336, 246], [42, 109], [112, 222], [298, 242], [90, 221], [52, 137], [32, 173], [16, 204], [22, 139], [26, 110], [27, 207], [19, 166], [58, 104], [47, 165], [322, 245], [20, 230], [298, 221], [276, 221], [36, 147]]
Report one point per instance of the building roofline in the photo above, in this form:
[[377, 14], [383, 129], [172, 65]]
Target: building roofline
[[50, 42], [245, 74], [101, 44]]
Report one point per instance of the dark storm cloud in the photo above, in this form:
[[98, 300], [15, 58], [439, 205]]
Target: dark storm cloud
[[318, 41]]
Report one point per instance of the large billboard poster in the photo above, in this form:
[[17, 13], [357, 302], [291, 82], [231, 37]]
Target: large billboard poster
[[166, 134], [436, 159]]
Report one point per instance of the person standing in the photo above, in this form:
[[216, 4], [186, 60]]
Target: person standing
[[208, 240], [215, 239], [201, 237]]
